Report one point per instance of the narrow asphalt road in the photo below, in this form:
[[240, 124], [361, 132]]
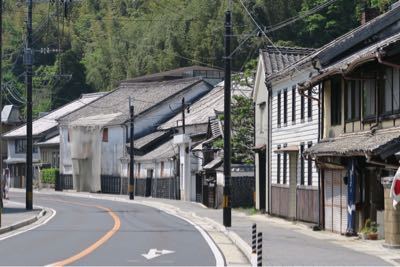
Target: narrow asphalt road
[[101, 232]]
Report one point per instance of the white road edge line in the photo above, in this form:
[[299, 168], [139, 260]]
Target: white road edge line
[[220, 261], [18, 232], [219, 258]]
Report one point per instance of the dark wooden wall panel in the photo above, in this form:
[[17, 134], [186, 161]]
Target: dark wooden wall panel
[[307, 205], [280, 201]]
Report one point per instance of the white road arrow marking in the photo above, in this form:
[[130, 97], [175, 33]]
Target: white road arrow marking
[[154, 253]]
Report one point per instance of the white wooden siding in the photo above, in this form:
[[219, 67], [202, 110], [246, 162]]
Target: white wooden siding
[[293, 133]]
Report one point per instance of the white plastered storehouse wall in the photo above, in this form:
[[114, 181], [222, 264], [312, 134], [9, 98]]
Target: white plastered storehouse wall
[[147, 118], [260, 99], [86, 150], [184, 143], [294, 133]]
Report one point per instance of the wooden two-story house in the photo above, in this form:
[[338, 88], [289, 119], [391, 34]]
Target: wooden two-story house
[[286, 123], [360, 135], [285, 128]]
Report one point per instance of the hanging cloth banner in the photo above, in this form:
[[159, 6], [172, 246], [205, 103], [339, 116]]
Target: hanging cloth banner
[[395, 189], [351, 197]]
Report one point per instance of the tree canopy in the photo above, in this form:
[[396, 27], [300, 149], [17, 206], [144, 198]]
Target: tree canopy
[[102, 42]]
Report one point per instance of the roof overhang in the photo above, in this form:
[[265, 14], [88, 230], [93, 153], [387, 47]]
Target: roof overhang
[[382, 144], [213, 164], [259, 148], [348, 65], [288, 149]]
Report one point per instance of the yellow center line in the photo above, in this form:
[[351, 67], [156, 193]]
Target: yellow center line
[[98, 243]]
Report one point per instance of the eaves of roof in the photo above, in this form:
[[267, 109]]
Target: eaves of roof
[[331, 50]]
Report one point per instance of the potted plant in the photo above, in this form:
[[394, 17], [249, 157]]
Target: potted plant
[[373, 234], [369, 231], [363, 234]]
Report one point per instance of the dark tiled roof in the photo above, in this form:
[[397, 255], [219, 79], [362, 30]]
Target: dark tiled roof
[[207, 106], [364, 53], [350, 63], [164, 151], [49, 122], [145, 95], [201, 110], [172, 74], [279, 58], [147, 139], [353, 40], [358, 144]]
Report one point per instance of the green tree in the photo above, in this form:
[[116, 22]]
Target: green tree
[[242, 130]]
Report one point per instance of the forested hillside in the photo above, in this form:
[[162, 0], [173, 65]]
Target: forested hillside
[[105, 41]]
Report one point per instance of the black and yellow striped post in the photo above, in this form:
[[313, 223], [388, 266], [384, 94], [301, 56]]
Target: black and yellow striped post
[[254, 245], [259, 249]]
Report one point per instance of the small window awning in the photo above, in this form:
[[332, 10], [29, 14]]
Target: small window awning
[[288, 149], [213, 164], [258, 148]]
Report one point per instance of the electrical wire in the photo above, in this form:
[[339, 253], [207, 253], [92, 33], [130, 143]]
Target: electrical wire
[[263, 32], [301, 16]]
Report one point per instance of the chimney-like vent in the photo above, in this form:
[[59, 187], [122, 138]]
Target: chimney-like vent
[[369, 13]]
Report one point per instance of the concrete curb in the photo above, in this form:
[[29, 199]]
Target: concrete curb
[[23, 223], [235, 238]]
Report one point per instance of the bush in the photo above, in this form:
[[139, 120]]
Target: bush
[[49, 175]]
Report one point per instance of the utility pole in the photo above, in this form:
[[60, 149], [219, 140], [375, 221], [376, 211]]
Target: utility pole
[[183, 115], [29, 151], [1, 101], [132, 162], [227, 212]]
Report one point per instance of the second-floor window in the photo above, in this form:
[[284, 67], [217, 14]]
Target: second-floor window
[[391, 92], [20, 146], [105, 135], [336, 100], [353, 100], [285, 106], [279, 109], [293, 104], [309, 108], [302, 103], [369, 99]]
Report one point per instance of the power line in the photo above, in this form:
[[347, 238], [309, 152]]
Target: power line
[[301, 16], [263, 32]]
